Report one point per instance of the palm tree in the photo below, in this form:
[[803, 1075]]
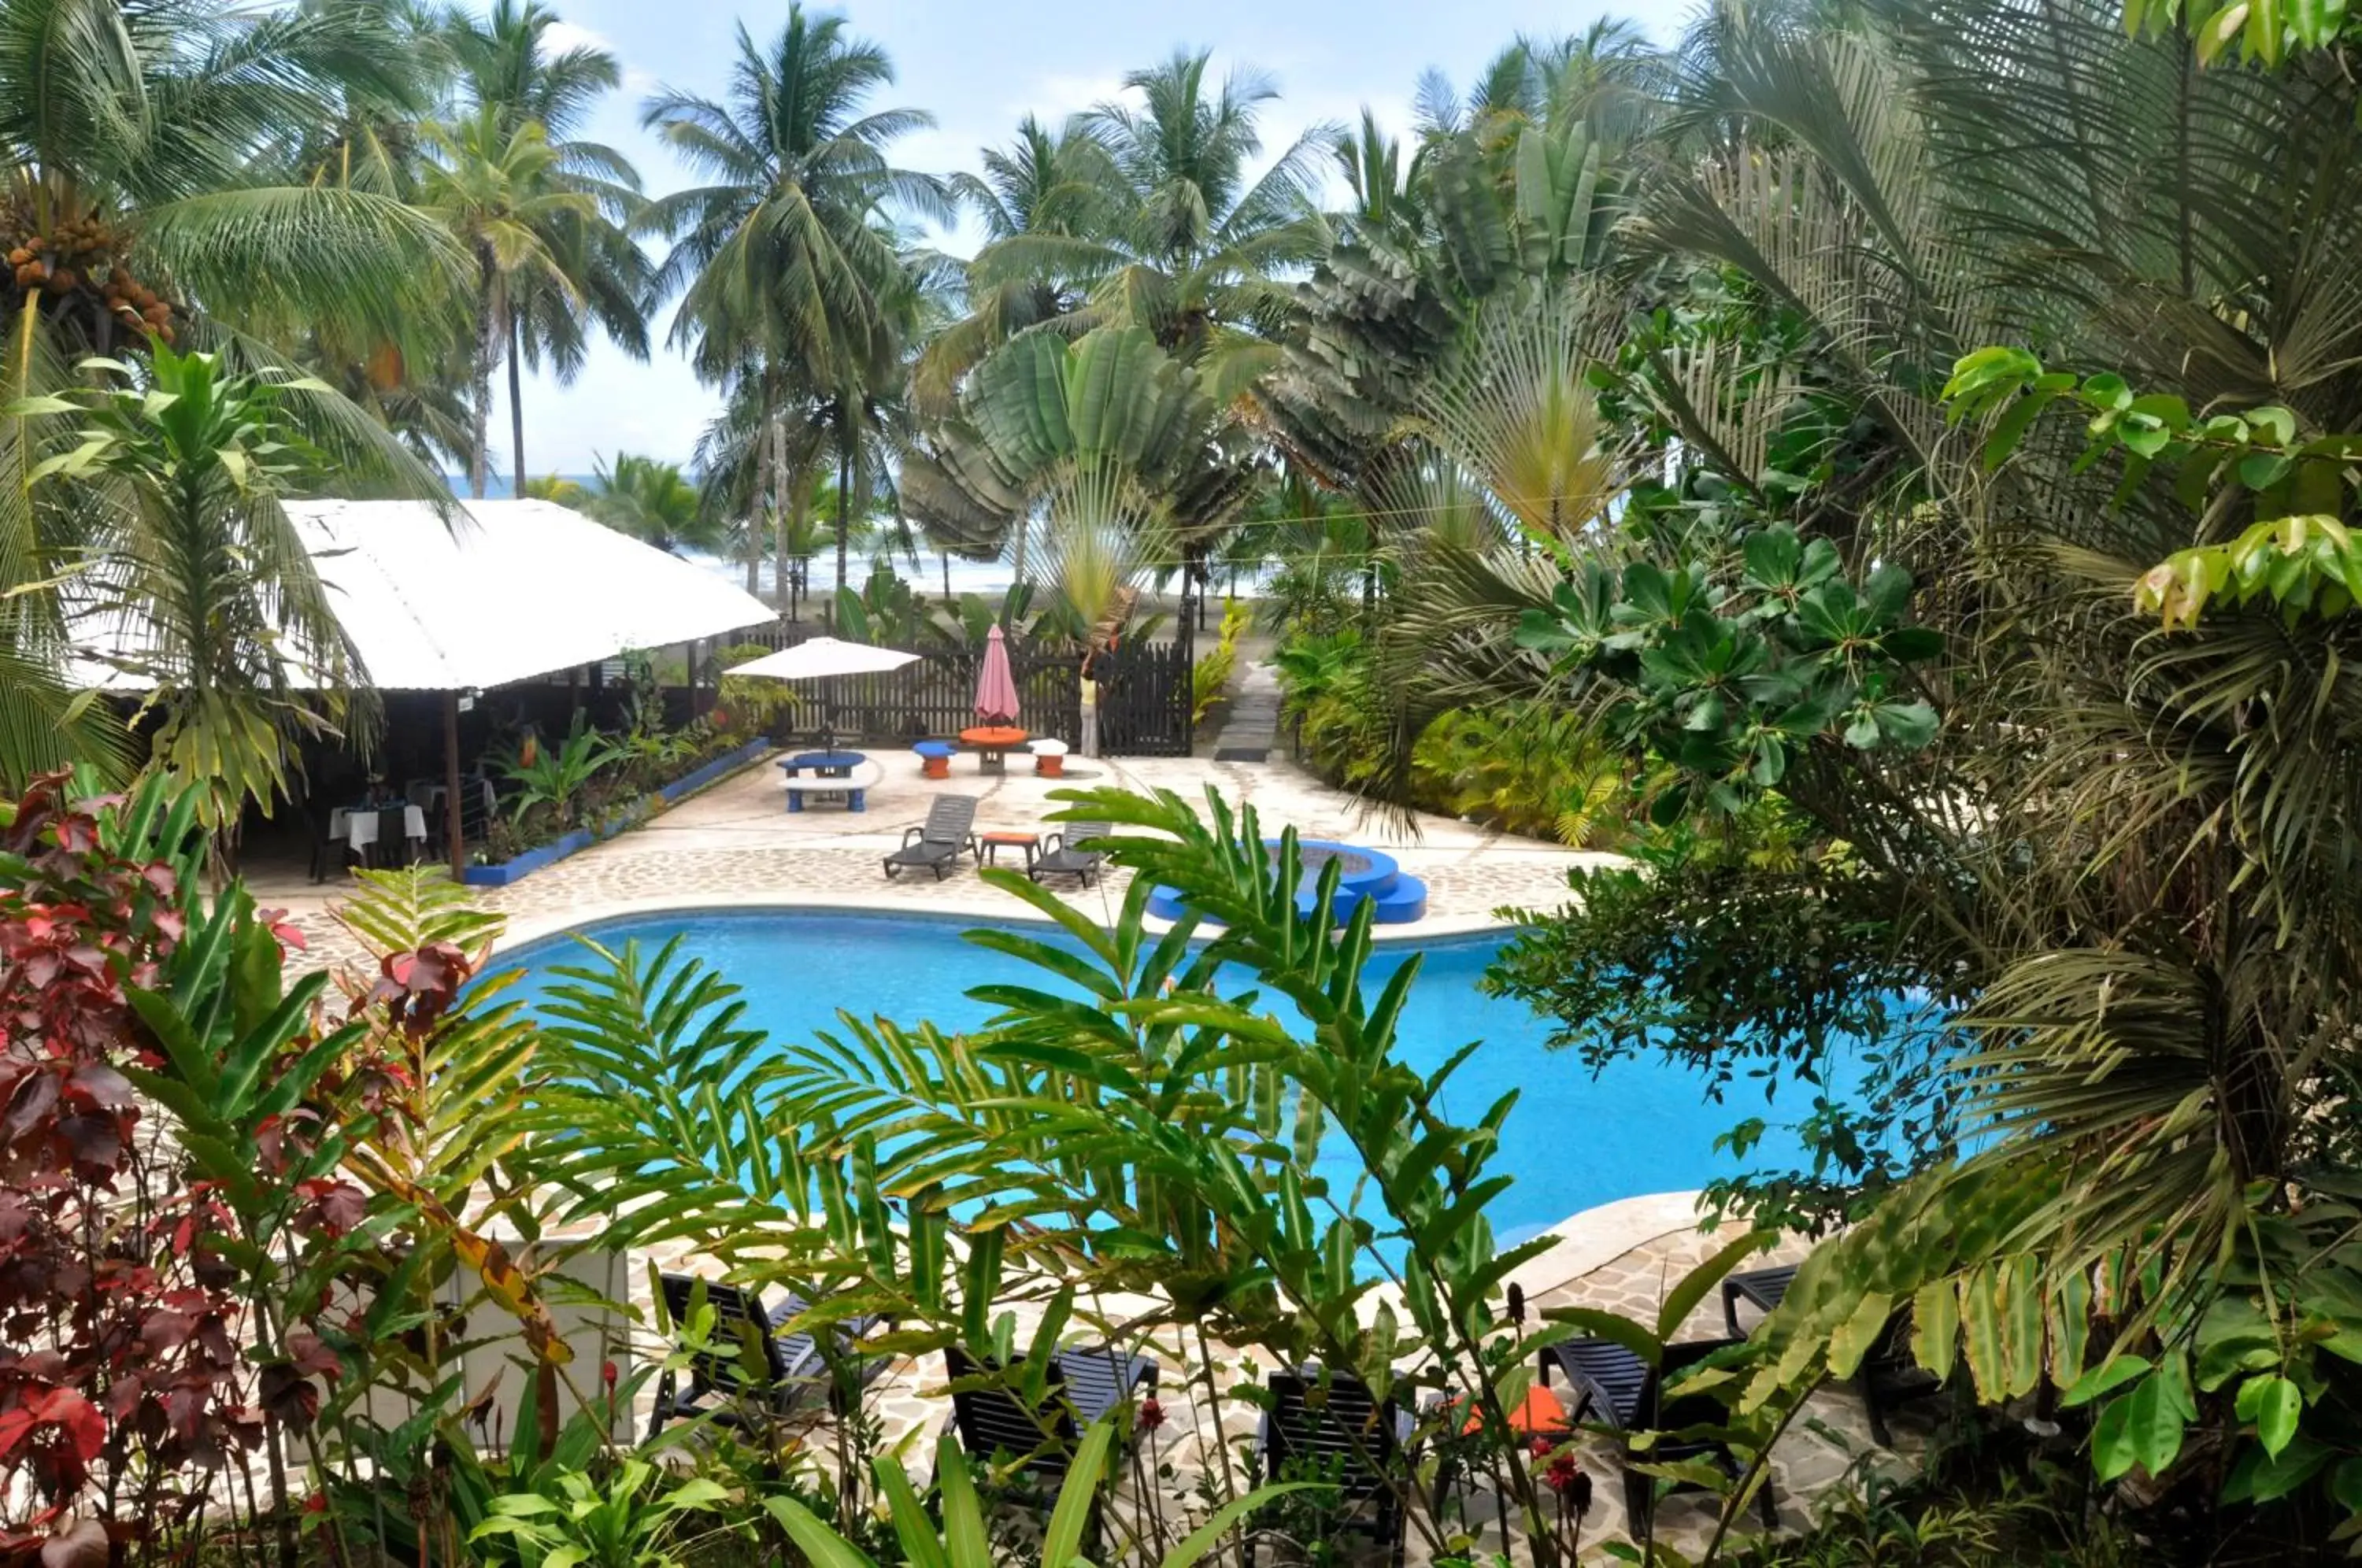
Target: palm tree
[[653, 502], [507, 66], [149, 185], [1611, 77], [1172, 234], [200, 588], [786, 270], [501, 192], [1043, 186]]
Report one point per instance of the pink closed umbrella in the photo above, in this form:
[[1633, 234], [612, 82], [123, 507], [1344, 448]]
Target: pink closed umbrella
[[996, 689]]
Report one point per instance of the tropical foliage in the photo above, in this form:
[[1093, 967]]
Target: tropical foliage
[[1888, 467]]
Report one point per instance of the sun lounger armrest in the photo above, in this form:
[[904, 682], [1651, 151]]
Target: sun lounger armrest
[[912, 835]]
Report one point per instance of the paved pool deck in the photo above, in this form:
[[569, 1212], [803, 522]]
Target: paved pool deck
[[736, 844]]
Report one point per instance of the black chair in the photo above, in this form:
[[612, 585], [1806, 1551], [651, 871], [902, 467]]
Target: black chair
[[327, 851], [1328, 1425], [792, 1366], [948, 832], [1083, 1386], [1059, 858], [1615, 1387], [392, 847], [1888, 1375]]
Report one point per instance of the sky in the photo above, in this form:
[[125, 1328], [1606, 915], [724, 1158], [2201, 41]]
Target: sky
[[978, 66]]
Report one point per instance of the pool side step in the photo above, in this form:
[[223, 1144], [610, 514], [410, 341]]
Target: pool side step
[[1403, 902]]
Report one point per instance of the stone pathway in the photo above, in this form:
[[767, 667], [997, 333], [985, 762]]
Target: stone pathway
[[1250, 728]]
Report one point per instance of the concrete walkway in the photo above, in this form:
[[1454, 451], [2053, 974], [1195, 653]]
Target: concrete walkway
[[1248, 730]]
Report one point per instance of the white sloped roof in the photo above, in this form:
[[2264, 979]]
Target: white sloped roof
[[512, 589]]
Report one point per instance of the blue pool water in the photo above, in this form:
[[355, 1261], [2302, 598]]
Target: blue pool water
[[1571, 1141]]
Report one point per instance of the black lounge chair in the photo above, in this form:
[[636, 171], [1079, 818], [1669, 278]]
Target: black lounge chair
[[1059, 858], [1615, 1387], [949, 831], [1888, 1375], [792, 1364], [1084, 1385], [1330, 1425]]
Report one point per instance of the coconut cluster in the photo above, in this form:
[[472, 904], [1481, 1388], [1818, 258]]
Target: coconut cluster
[[83, 259]]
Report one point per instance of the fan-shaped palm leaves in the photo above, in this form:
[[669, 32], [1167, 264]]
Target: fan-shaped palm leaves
[[1106, 429]]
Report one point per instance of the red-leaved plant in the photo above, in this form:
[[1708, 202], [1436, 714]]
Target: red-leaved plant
[[134, 1377]]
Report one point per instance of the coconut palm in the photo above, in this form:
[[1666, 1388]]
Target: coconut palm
[[506, 65], [786, 271], [1177, 238], [1610, 78], [1044, 184], [149, 187], [503, 195], [654, 503]]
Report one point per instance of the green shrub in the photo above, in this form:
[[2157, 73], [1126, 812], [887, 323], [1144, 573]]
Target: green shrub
[[1210, 676]]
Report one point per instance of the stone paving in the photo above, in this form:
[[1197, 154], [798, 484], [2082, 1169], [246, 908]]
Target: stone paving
[[736, 844]]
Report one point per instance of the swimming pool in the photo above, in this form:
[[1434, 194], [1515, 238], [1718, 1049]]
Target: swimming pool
[[1572, 1141]]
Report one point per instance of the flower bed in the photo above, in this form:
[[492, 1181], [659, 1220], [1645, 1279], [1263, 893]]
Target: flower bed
[[517, 868]]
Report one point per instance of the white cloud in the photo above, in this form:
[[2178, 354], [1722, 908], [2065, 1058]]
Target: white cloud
[[561, 35], [1057, 95]]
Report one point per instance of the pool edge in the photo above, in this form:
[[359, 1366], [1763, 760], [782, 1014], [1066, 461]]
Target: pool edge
[[523, 931]]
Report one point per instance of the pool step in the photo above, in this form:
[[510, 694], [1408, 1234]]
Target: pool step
[[1403, 902]]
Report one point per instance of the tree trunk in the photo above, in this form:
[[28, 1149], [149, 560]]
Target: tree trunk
[[777, 437], [844, 501], [946, 557], [516, 405], [766, 485], [799, 514], [479, 391]]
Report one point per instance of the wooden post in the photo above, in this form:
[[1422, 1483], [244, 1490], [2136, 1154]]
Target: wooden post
[[453, 830]]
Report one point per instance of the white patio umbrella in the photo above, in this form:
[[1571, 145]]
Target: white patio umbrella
[[823, 659]]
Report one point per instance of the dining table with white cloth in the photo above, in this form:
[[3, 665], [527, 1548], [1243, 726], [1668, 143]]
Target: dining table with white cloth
[[356, 825]]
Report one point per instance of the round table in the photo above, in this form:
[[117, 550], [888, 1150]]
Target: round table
[[935, 758], [992, 743]]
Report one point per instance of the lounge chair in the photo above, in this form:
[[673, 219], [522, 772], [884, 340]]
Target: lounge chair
[[1084, 1385], [1615, 1387], [1334, 1430], [792, 1364], [1059, 858], [1888, 1375], [938, 844]]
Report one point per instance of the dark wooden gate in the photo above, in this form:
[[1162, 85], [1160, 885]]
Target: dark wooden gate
[[1145, 710]]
